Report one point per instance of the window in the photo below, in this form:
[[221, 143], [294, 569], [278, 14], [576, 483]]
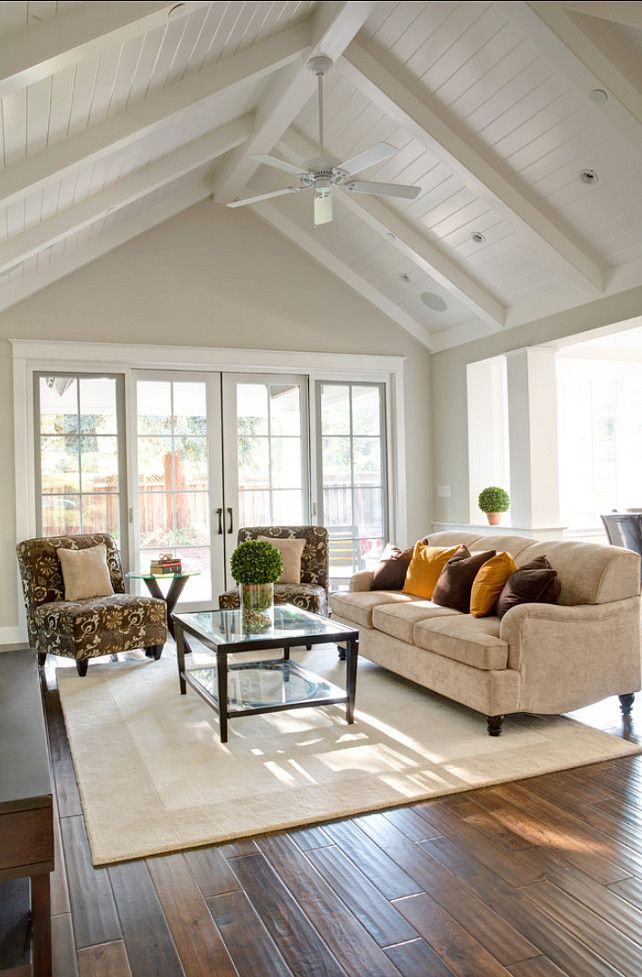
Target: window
[[352, 474], [173, 476], [78, 455]]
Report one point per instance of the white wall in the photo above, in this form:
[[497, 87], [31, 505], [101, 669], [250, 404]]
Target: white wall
[[448, 372], [211, 277]]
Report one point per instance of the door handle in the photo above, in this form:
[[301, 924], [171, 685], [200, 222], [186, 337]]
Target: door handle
[[219, 513], [230, 527]]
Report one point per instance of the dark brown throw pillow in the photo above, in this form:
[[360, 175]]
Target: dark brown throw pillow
[[534, 583], [456, 579], [390, 574]]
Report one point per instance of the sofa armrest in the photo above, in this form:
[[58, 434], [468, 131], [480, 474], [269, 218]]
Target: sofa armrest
[[361, 581], [569, 656]]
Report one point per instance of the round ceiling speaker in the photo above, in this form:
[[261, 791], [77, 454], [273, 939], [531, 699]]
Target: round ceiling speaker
[[434, 302]]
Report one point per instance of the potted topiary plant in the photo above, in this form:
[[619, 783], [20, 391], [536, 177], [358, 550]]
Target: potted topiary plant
[[256, 566], [493, 501]]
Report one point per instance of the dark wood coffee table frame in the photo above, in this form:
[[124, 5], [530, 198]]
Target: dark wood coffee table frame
[[345, 635]]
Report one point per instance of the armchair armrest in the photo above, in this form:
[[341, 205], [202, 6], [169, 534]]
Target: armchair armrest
[[361, 581], [570, 656]]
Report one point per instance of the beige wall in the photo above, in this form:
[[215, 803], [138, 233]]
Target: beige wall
[[209, 277], [448, 385]]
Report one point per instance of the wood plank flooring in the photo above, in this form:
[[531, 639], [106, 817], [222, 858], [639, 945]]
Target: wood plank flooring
[[541, 878]]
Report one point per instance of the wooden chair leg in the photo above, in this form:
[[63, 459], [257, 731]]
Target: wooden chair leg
[[342, 653], [626, 703], [158, 651], [42, 658], [81, 665]]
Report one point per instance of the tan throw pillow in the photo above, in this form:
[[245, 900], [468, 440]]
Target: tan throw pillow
[[291, 550], [85, 572]]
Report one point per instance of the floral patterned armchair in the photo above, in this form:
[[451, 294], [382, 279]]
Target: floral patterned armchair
[[312, 593], [85, 629]]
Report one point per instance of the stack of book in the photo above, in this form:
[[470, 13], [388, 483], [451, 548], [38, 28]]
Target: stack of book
[[166, 563]]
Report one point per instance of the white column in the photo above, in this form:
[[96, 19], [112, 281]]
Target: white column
[[532, 427]]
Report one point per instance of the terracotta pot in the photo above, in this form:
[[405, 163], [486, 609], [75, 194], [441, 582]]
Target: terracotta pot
[[494, 518]]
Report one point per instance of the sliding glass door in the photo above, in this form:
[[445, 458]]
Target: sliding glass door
[[178, 476], [266, 450], [352, 473]]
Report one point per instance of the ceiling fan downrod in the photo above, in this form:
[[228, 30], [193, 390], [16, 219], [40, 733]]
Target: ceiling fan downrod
[[319, 66]]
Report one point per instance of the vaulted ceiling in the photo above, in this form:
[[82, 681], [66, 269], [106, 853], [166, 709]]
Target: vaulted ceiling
[[116, 115]]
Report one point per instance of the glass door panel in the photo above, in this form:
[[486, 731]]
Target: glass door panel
[[178, 476], [352, 474], [266, 452], [80, 455]]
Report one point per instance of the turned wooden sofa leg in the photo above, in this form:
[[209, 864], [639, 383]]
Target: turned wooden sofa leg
[[81, 665], [495, 725], [626, 703], [42, 658]]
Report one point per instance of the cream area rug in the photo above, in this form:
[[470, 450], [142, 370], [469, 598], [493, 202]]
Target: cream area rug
[[154, 776]]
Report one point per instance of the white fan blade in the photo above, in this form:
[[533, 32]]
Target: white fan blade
[[264, 196], [382, 189], [376, 154], [279, 164], [322, 210]]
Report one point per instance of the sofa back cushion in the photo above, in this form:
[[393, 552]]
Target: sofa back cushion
[[589, 573]]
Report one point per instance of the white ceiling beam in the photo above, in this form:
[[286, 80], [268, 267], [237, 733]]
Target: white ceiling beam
[[574, 54], [165, 170], [468, 158], [52, 45], [334, 26], [627, 13], [306, 241], [410, 242], [151, 114], [16, 291]]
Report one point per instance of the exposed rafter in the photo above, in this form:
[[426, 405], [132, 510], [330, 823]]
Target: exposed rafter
[[334, 26], [468, 158], [308, 242], [410, 242], [147, 115], [575, 55], [623, 12], [165, 170], [44, 48], [19, 290]]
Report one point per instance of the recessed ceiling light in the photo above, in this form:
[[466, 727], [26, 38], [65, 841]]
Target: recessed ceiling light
[[404, 277], [599, 96], [477, 237], [434, 302], [589, 176]]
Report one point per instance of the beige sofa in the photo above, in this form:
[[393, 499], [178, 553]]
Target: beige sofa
[[540, 658]]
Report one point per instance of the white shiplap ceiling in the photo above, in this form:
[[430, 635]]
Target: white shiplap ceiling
[[116, 115]]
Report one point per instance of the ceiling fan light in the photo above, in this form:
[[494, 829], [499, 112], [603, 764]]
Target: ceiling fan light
[[322, 209]]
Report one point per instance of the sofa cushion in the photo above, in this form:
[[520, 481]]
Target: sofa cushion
[[398, 620], [358, 607], [473, 641]]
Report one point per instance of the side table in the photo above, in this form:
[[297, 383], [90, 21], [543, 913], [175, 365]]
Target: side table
[[171, 597]]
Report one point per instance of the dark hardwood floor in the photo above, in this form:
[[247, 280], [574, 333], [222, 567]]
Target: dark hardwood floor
[[541, 878]]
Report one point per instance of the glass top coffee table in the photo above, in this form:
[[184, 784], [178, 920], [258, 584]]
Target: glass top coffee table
[[271, 685]]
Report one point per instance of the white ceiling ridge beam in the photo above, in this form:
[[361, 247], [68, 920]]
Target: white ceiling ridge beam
[[410, 242], [171, 167], [334, 25], [15, 292], [53, 45], [468, 159], [574, 54], [307, 242], [623, 12], [151, 114]]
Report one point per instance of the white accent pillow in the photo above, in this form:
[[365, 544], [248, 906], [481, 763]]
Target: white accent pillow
[[291, 550], [85, 572]]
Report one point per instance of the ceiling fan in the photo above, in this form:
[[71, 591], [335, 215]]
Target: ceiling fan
[[323, 174]]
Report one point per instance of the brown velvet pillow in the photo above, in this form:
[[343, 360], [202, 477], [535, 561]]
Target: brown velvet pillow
[[456, 580], [534, 583], [390, 574]]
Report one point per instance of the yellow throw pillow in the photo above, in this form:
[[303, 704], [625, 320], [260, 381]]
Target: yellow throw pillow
[[489, 583], [425, 567]]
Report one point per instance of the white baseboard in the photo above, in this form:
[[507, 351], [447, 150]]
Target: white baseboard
[[12, 636]]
